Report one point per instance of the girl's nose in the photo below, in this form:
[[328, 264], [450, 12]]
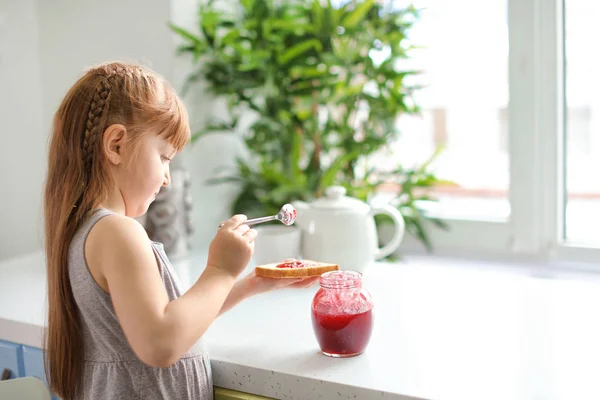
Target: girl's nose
[[167, 180]]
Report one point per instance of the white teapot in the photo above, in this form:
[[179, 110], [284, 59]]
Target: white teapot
[[341, 229]]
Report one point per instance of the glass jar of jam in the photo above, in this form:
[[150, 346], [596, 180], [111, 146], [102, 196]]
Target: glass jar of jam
[[342, 314]]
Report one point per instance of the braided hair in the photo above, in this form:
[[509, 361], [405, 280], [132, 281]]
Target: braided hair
[[96, 119]]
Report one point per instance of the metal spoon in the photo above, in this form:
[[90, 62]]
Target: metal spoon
[[287, 216]]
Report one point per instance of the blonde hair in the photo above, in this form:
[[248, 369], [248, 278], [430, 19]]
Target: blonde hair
[[78, 181]]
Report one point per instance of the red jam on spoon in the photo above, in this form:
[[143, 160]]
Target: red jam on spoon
[[288, 213]]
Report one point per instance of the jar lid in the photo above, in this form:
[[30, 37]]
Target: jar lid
[[335, 199], [341, 279]]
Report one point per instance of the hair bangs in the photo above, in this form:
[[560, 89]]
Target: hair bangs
[[175, 120]]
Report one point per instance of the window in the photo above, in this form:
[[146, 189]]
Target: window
[[582, 76], [465, 106], [511, 95]]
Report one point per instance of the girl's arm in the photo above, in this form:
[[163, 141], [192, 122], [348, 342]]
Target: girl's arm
[[252, 284], [160, 331]]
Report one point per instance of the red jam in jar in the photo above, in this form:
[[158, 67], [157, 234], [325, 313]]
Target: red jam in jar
[[342, 314]]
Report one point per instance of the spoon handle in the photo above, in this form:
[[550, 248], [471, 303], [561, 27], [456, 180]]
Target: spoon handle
[[260, 220]]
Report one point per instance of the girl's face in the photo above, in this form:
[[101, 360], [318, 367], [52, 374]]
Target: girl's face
[[145, 169]]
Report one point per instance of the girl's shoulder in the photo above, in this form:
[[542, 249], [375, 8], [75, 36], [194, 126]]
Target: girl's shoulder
[[116, 240], [114, 230]]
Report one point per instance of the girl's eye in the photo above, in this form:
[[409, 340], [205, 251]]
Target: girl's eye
[[165, 158]]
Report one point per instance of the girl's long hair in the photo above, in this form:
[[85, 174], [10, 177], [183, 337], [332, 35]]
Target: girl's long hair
[[78, 181]]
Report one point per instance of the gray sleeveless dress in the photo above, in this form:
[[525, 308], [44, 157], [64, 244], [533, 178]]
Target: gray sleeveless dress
[[112, 370]]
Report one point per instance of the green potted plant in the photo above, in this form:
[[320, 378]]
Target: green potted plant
[[324, 86]]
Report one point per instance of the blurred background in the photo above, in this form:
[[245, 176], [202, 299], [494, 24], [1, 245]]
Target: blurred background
[[45, 45]]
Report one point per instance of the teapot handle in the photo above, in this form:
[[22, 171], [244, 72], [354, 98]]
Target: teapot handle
[[399, 227]]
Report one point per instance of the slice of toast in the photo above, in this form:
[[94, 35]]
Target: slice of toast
[[309, 268]]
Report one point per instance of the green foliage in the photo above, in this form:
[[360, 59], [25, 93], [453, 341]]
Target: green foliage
[[325, 86]]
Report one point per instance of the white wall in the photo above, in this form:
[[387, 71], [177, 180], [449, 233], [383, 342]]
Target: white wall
[[44, 47], [23, 134], [76, 34]]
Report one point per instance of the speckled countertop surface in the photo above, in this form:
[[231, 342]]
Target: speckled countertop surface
[[444, 329]]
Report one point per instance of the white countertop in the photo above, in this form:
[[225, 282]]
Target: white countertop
[[443, 330]]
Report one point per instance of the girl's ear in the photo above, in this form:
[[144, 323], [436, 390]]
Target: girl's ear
[[112, 143]]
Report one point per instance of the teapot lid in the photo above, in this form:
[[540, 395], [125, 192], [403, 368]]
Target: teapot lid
[[335, 199]]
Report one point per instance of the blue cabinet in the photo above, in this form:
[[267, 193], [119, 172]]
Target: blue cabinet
[[33, 363], [11, 359], [22, 361]]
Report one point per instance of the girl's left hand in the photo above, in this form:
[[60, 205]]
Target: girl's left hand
[[261, 284]]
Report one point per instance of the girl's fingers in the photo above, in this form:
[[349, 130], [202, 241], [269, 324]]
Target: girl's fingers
[[242, 229], [251, 234], [233, 222]]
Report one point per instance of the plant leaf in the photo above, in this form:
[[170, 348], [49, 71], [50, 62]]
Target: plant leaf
[[299, 49], [295, 156], [185, 34], [223, 127], [328, 177], [352, 20]]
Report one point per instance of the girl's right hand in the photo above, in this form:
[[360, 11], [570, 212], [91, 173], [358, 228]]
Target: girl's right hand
[[233, 246]]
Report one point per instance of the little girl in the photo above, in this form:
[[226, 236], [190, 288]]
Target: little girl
[[118, 325]]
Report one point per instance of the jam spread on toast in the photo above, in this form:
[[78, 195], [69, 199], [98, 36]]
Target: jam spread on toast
[[291, 264]]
